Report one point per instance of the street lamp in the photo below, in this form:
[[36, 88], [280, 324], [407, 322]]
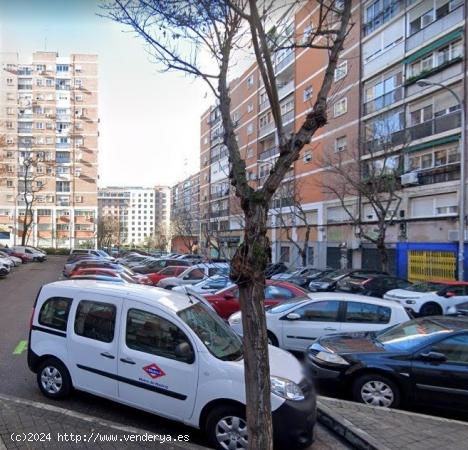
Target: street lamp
[[461, 209], [280, 228]]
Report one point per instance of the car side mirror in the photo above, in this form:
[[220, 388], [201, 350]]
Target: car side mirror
[[293, 316], [184, 352], [433, 357]]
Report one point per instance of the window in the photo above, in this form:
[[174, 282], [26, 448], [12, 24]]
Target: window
[[307, 94], [40, 67], [78, 98], [250, 81], [307, 157], [39, 125], [149, 333], [54, 313], [9, 183], [62, 67], [320, 311], [285, 254], [62, 186], [250, 128], [95, 320], [340, 107], [250, 107], [341, 144], [341, 70], [366, 313], [278, 292], [454, 348], [78, 82]]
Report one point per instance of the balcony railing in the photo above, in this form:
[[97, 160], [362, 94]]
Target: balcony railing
[[268, 153], [62, 160], [435, 126], [221, 194], [387, 99], [391, 139], [440, 174], [25, 87], [268, 128], [285, 89], [25, 116], [284, 62], [220, 213]]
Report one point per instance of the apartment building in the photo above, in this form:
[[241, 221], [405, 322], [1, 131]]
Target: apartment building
[[185, 215], [375, 99], [134, 215], [49, 124]]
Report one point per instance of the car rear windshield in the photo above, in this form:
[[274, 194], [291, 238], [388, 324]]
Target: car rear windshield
[[426, 286], [218, 337], [409, 336]]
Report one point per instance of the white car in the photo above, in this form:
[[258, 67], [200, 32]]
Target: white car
[[430, 298], [295, 324], [162, 352], [208, 285], [194, 274], [16, 261], [6, 261]]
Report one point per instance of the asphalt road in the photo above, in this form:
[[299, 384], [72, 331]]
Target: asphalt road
[[17, 294]]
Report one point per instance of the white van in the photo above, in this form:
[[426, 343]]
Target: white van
[[91, 252], [162, 352]]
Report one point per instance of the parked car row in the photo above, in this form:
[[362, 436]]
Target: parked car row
[[11, 257]]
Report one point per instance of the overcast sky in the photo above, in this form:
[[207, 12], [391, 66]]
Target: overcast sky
[[150, 121]]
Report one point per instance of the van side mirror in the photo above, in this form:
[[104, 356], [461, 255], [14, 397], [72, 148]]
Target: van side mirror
[[293, 316], [184, 352], [433, 357]]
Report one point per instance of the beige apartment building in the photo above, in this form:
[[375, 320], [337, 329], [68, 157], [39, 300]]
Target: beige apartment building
[[392, 45], [49, 124]]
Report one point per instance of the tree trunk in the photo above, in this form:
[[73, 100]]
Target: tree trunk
[[247, 269], [383, 256], [304, 256]]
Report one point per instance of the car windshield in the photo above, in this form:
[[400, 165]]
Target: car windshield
[[127, 278], [285, 306], [103, 253], [218, 337], [426, 286], [410, 335], [128, 271], [337, 273]]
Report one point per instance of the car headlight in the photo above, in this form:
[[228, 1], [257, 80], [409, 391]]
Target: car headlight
[[331, 358], [235, 318], [286, 389]]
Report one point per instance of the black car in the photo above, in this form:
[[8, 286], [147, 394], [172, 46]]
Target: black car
[[423, 360], [371, 284], [273, 269], [329, 281], [302, 277], [156, 265]]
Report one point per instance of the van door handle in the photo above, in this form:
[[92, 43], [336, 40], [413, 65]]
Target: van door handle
[[107, 355], [330, 329], [127, 361]]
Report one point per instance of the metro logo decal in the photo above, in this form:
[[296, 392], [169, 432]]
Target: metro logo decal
[[154, 371]]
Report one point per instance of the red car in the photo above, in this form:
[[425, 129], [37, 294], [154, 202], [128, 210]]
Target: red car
[[226, 301], [84, 271], [170, 271]]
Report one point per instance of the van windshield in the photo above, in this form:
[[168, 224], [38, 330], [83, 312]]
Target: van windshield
[[218, 338]]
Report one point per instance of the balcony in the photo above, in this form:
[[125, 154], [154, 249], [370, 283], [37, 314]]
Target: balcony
[[435, 126], [384, 58], [221, 194], [384, 16], [25, 116], [288, 116], [380, 144], [24, 87], [268, 153], [288, 59], [24, 130], [63, 145], [286, 89], [62, 160], [220, 213], [439, 174], [381, 102], [266, 129], [437, 28]]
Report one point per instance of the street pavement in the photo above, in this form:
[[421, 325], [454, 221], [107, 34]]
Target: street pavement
[[90, 414]]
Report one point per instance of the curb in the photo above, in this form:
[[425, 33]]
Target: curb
[[95, 421], [348, 431]]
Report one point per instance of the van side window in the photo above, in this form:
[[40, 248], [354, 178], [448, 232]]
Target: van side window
[[150, 333], [95, 320], [54, 313]]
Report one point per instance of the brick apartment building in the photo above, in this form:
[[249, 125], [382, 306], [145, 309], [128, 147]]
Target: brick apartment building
[[392, 45], [134, 214], [49, 122], [185, 215]]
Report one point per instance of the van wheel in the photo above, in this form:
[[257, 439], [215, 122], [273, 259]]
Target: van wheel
[[430, 309], [53, 379], [272, 340], [226, 427]]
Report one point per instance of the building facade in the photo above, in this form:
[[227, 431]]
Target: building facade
[[375, 100], [134, 215], [185, 215], [48, 156]]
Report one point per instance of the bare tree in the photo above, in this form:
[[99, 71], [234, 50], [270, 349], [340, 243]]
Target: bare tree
[[185, 226], [108, 231], [202, 38], [367, 177]]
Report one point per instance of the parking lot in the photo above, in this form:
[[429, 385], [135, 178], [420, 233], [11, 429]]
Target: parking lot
[[17, 294]]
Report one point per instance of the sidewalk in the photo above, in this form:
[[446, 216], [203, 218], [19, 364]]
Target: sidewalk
[[26, 424], [371, 428]]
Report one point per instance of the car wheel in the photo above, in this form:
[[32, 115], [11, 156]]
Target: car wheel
[[53, 379], [226, 427], [272, 339], [430, 309], [376, 390]]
